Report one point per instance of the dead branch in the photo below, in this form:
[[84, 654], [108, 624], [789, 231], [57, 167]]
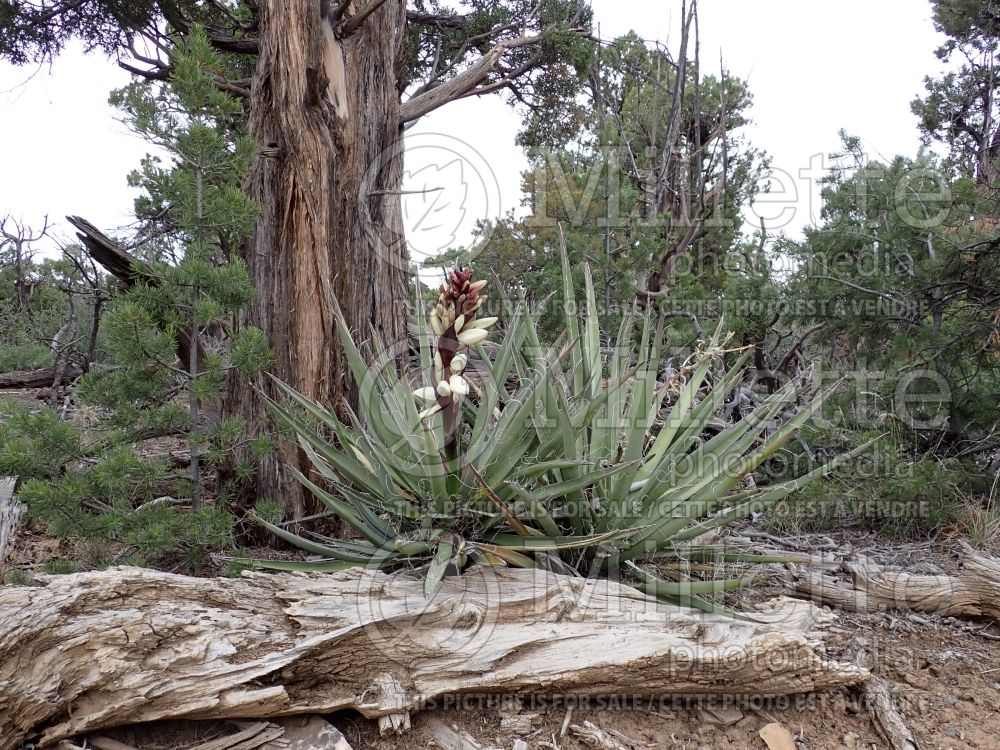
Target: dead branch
[[41, 378], [125, 267], [863, 586]]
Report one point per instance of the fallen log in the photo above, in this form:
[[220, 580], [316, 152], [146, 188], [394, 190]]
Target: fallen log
[[41, 378], [863, 586], [10, 516], [101, 649]]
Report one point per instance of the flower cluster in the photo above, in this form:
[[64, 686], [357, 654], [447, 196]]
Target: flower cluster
[[456, 326]]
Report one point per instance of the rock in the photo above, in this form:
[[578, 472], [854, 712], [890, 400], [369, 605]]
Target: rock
[[950, 700], [777, 737], [309, 733], [851, 740], [951, 731], [718, 716]]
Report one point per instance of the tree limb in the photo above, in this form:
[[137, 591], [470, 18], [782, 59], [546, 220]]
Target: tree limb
[[462, 84]]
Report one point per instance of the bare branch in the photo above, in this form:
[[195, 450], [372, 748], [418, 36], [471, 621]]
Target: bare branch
[[463, 84], [353, 23]]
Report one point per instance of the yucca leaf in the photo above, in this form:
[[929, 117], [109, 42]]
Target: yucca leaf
[[683, 591], [688, 593], [534, 469], [591, 342], [767, 496], [554, 544], [496, 388], [537, 509], [509, 556], [678, 415], [305, 566], [342, 509], [438, 566], [722, 554], [572, 325], [511, 519], [578, 482], [326, 550]]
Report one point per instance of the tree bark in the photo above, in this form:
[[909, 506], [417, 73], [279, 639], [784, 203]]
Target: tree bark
[[326, 109], [126, 645]]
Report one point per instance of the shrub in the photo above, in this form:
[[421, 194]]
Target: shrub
[[100, 491], [572, 470]]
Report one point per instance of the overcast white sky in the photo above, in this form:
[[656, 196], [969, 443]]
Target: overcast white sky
[[814, 67]]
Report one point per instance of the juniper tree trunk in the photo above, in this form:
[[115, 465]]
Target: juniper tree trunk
[[325, 111]]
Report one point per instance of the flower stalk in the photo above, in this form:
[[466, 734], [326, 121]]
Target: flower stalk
[[455, 322]]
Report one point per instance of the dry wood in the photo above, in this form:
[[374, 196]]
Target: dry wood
[[593, 736], [449, 738], [100, 649], [886, 718], [308, 733], [40, 378], [863, 586], [10, 515], [106, 743], [128, 269]]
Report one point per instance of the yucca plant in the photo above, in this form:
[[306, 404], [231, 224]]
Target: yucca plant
[[571, 469]]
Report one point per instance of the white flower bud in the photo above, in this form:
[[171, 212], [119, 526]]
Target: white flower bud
[[459, 385], [472, 336], [363, 459], [483, 323], [459, 322], [458, 362], [426, 394], [443, 389], [436, 323]]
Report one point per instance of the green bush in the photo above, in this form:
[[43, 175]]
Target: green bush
[[895, 493], [571, 471], [100, 492]]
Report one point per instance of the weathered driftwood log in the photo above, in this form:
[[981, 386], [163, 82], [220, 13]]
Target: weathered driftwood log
[[41, 378], [886, 717], [863, 586], [127, 645], [10, 516]]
